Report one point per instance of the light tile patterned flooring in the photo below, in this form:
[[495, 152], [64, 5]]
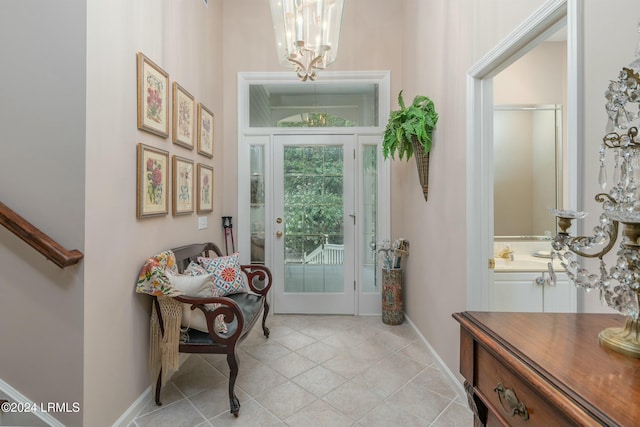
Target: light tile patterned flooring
[[315, 371]]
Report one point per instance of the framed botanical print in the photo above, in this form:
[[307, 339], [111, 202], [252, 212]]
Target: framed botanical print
[[152, 182], [184, 112], [205, 188], [182, 191], [205, 131], [153, 97]]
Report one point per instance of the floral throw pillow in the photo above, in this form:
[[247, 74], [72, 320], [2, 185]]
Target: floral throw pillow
[[227, 276], [152, 279], [195, 269]]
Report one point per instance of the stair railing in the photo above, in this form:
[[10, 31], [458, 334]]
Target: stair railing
[[38, 240]]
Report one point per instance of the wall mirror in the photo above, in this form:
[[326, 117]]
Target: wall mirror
[[528, 137], [527, 162]]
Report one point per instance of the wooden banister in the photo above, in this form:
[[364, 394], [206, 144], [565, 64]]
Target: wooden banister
[[38, 240]]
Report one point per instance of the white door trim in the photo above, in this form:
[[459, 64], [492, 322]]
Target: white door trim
[[548, 19], [247, 136]]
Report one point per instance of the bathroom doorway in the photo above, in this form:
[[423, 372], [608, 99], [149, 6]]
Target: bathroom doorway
[[546, 22]]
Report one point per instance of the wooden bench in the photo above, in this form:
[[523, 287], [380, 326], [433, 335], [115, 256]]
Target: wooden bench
[[241, 311]]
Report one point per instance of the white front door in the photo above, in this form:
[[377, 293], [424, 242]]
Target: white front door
[[314, 224]]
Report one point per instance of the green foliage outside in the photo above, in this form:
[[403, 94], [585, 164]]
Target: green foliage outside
[[319, 120], [313, 198]]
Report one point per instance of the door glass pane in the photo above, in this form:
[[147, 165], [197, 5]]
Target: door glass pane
[[257, 214], [313, 105], [370, 218], [314, 212]]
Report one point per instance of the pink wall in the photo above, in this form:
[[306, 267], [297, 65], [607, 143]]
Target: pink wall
[[184, 38], [539, 77], [42, 179], [435, 277], [605, 53], [444, 39]]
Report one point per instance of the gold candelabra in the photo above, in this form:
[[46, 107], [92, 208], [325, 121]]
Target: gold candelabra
[[619, 285]]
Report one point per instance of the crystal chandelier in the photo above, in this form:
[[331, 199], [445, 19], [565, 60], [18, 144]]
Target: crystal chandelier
[[307, 34], [619, 285]]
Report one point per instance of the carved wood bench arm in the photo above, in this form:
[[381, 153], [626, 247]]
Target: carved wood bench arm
[[227, 307], [258, 273]]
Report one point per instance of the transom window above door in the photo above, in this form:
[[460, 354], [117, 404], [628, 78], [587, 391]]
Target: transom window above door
[[314, 105]]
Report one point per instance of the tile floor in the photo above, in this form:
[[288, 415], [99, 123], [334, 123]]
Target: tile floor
[[315, 371]]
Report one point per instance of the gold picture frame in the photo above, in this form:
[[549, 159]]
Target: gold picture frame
[[205, 188], [153, 97], [152, 182], [184, 112], [205, 131], [182, 188]]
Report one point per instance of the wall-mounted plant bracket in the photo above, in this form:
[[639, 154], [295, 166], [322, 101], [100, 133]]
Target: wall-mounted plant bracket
[[422, 162]]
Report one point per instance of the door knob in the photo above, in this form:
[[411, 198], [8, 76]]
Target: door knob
[[278, 234], [279, 220]]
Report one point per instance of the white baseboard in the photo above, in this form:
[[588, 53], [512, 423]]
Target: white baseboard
[[14, 395], [443, 366], [130, 414], [142, 401]]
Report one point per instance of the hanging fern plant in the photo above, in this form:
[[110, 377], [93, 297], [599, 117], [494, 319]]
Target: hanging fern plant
[[418, 121]]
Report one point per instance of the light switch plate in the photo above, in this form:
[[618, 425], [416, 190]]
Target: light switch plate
[[202, 222]]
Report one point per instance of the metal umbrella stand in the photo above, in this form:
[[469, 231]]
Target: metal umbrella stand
[[227, 225]]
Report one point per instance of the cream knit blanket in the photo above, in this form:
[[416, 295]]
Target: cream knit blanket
[[163, 349]]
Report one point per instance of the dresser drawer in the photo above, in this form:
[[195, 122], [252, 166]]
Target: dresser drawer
[[501, 390]]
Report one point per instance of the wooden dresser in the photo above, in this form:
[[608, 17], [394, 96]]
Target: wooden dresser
[[546, 369]]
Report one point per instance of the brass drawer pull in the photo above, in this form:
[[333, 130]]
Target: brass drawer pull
[[514, 407]]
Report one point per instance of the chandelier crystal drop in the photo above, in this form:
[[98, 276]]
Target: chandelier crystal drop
[[619, 285], [307, 34]]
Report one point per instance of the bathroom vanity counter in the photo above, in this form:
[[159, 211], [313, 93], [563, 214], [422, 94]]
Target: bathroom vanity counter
[[516, 283], [516, 286], [526, 263]]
